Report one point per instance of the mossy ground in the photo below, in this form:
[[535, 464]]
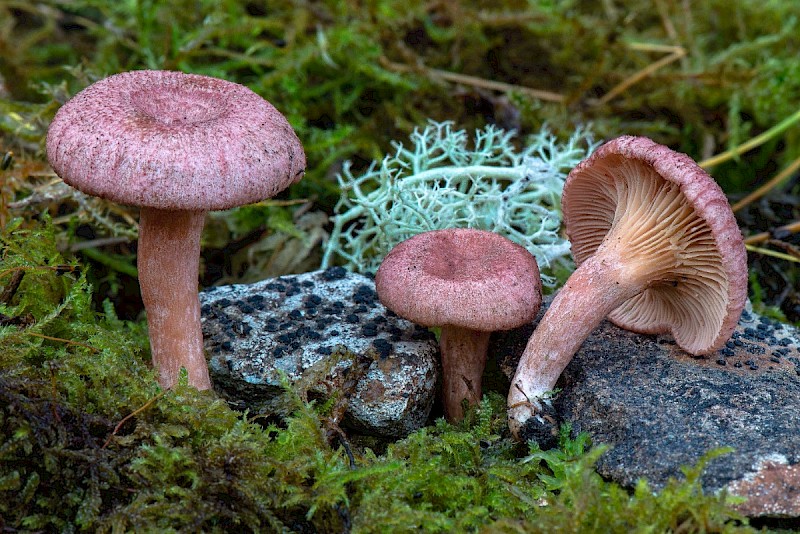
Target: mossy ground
[[87, 441]]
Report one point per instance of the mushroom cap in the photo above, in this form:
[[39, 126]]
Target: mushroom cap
[[461, 277], [673, 218], [170, 140]]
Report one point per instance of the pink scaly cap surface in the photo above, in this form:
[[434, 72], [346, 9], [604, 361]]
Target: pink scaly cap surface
[[170, 140], [461, 277], [699, 316]]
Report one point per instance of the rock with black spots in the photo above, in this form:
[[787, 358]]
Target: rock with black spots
[[319, 328]]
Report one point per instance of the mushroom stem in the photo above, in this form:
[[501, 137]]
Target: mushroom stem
[[169, 248], [598, 286], [463, 361]]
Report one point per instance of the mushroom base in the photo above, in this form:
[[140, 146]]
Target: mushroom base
[[597, 287], [168, 263], [463, 361]]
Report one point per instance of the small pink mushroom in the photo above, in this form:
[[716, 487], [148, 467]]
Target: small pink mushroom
[[658, 251], [176, 145], [468, 282]]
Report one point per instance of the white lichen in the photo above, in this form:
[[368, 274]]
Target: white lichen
[[440, 181]]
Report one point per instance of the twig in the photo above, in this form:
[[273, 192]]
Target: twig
[[132, 414], [475, 81], [59, 269], [67, 341], [780, 232], [764, 189]]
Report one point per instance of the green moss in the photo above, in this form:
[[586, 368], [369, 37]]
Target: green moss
[[585, 503]]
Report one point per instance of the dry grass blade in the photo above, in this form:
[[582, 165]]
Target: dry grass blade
[[475, 81], [781, 232], [753, 142], [772, 253], [62, 340], [677, 53]]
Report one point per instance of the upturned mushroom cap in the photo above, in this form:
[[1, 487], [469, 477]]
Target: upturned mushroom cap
[[169, 140], [673, 225], [461, 277]]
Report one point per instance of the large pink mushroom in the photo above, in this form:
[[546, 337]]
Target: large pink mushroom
[[658, 251], [468, 282], [176, 145]]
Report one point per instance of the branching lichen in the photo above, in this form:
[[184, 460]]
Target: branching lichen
[[440, 181]]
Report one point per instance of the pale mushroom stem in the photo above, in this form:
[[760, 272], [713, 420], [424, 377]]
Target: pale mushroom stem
[[168, 263], [463, 361], [597, 287]]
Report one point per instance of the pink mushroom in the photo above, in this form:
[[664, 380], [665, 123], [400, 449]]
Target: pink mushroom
[[658, 251], [176, 145], [468, 282]]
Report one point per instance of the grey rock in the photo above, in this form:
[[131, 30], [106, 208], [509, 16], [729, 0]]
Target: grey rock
[[320, 328], [660, 408]]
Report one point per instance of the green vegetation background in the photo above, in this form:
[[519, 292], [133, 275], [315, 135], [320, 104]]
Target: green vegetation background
[[350, 76]]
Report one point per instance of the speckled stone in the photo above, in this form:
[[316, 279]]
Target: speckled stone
[[661, 408], [312, 327]]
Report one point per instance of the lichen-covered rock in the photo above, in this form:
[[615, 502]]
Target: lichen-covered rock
[[319, 328], [661, 408]]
